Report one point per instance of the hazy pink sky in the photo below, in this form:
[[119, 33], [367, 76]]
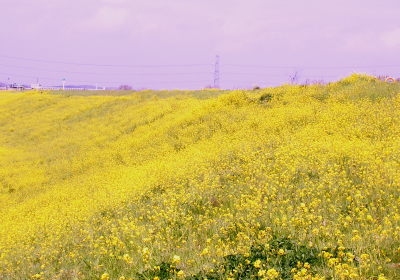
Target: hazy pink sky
[[260, 41]]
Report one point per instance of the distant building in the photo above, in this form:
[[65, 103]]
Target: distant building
[[17, 86], [36, 86]]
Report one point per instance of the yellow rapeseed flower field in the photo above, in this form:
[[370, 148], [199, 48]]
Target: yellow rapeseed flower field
[[294, 182]]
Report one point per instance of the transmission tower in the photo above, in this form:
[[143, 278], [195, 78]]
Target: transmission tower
[[216, 72]]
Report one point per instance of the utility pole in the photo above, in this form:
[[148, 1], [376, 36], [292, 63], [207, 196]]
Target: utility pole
[[63, 83], [216, 72]]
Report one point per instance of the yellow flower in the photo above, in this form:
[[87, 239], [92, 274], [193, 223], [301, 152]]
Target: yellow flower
[[204, 252], [37, 276], [327, 255], [180, 274], [128, 259], [257, 264], [145, 251], [332, 262], [272, 273], [105, 276], [176, 259], [381, 277]]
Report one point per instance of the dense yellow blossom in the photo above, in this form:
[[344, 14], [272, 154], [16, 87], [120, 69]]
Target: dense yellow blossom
[[177, 183]]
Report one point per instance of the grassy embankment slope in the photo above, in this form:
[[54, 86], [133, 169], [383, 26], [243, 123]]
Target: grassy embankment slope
[[293, 182]]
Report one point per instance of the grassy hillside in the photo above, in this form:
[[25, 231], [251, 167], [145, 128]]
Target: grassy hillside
[[295, 182]]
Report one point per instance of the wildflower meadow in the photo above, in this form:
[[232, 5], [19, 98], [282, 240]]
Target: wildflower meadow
[[295, 182]]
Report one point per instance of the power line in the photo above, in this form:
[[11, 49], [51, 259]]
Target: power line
[[103, 65], [108, 73], [311, 67], [142, 73], [198, 65], [77, 81]]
